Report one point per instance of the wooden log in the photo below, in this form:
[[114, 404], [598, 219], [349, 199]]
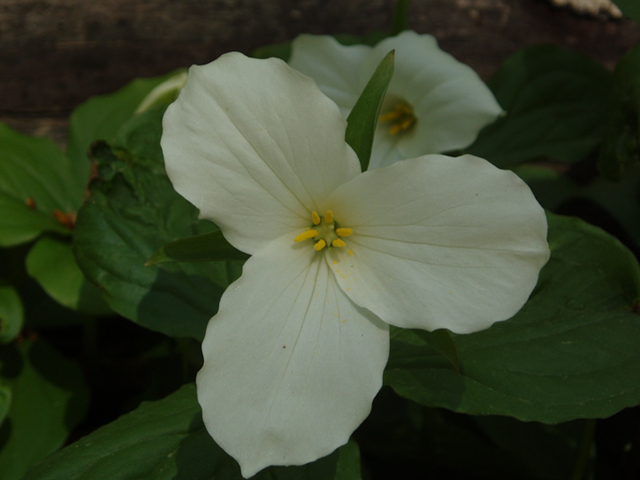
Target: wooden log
[[54, 54]]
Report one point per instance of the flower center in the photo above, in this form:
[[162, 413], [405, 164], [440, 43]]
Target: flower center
[[325, 232], [401, 118]]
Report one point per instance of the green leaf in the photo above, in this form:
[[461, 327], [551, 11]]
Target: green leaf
[[166, 439], [164, 93], [133, 211], [400, 17], [276, 50], [554, 100], [50, 262], [36, 179], [11, 313], [48, 400], [631, 8], [364, 116], [205, 247], [621, 146], [571, 352], [100, 118], [440, 340]]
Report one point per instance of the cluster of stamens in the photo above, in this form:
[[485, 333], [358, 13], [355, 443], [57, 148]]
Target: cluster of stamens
[[401, 118], [325, 232]]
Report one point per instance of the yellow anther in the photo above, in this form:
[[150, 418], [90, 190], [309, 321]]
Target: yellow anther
[[328, 217], [407, 123], [306, 235], [401, 118], [316, 218], [350, 252], [390, 116], [338, 243], [344, 232], [320, 245]]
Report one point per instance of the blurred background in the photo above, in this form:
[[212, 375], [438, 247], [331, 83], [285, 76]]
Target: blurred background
[[54, 54]]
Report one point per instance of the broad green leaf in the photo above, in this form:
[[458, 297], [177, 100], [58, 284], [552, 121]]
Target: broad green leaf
[[615, 203], [100, 118], [631, 8], [48, 400], [621, 145], [571, 352], [36, 180], [133, 211], [440, 340], [554, 99], [205, 247], [11, 313], [363, 118], [166, 439], [50, 262]]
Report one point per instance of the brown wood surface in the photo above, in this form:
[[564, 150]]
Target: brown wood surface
[[56, 53]]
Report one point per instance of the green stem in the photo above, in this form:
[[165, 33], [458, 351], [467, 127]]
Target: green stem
[[400, 17], [584, 454]]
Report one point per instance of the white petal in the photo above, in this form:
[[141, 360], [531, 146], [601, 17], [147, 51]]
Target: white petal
[[291, 365], [451, 103], [255, 146], [334, 67], [439, 242]]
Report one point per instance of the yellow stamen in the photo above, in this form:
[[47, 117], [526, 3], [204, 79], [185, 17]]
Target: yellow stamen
[[316, 218], [344, 232], [395, 129], [328, 217], [350, 252], [401, 118], [390, 116], [338, 243], [320, 245], [407, 123], [306, 235]]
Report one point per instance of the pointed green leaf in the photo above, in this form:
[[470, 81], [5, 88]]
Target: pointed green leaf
[[363, 118], [571, 352], [205, 247], [49, 399], [166, 439], [11, 313], [554, 99]]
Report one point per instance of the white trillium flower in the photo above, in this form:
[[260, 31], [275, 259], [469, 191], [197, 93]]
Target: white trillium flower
[[296, 352], [434, 103]]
